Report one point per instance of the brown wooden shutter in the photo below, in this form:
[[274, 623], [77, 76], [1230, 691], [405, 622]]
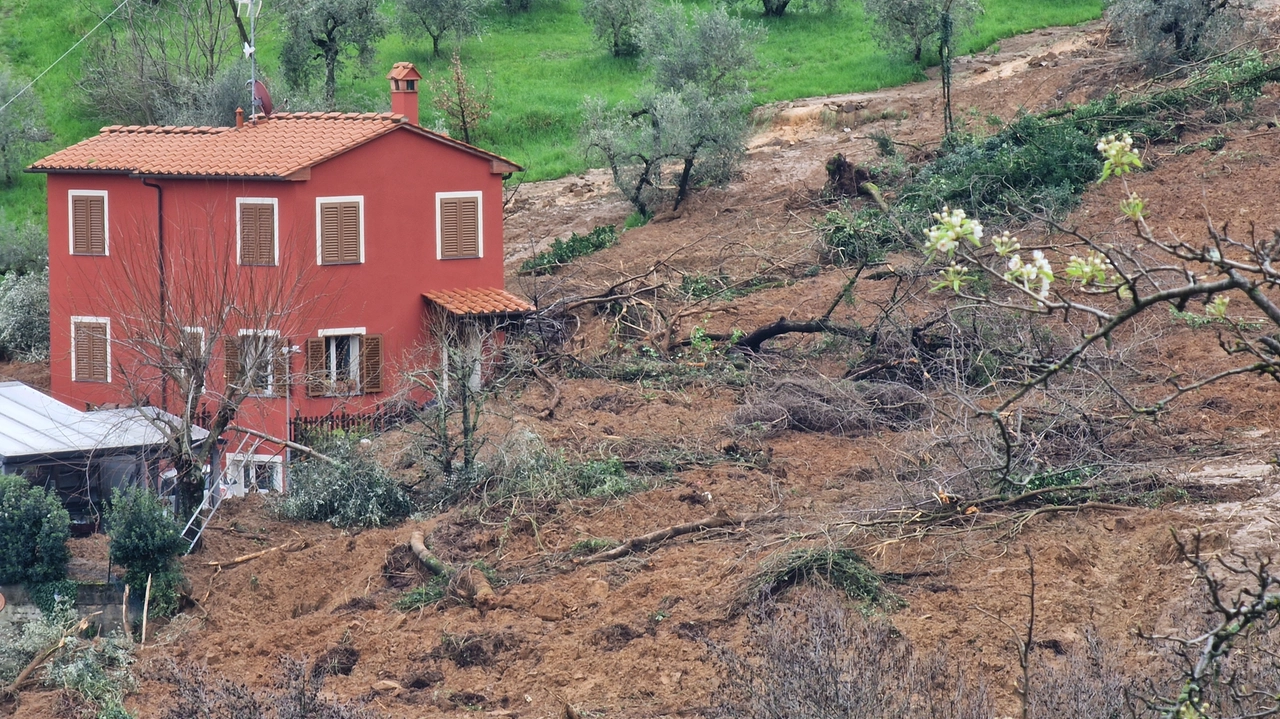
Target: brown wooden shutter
[[371, 363], [231, 354], [279, 360], [468, 227], [83, 353], [330, 232], [449, 227], [90, 351], [316, 367], [350, 232], [97, 225], [248, 234], [266, 235], [88, 225], [80, 224]]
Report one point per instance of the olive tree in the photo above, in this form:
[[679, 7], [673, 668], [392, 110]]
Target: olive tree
[[1165, 32], [22, 126], [688, 126], [614, 23], [913, 25], [24, 316], [323, 33], [439, 18]]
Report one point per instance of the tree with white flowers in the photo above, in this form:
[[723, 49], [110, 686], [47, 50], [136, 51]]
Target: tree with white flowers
[[1113, 284]]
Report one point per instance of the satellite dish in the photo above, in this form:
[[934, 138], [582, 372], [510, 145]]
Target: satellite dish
[[261, 99]]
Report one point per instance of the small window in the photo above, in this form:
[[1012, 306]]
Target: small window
[[256, 472], [458, 225], [340, 230], [88, 222], [257, 363], [342, 362], [90, 349], [190, 351], [256, 232]]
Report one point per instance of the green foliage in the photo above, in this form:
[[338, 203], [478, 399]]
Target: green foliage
[[1170, 32], [24, 247], [911, 26], [587, 547], [49, 595], [19, 644], [604, 478], [96, 673], [425, 595], [439, 18], [24, 316], [358, 492], [614, 23], [22, 127], [562, 252], [146, 541], [34, 528], [697, 286], [841, 568], [864, 236], [319, 34]]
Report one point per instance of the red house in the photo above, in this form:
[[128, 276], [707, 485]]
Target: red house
[[300, 253]]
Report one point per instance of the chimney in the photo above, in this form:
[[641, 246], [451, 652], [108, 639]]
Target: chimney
[[404, 79], [239, 117]]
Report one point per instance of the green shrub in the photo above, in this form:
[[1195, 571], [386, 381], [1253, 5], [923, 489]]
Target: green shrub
[[96, 675], [357, 492], [604, 478], [24, 316], [146, 541], [34, 528], [20, 644], [866, 236], [842, 568], [562, 252]]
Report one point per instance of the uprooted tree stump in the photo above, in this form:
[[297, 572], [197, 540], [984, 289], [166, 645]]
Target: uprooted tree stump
[[845, 179]]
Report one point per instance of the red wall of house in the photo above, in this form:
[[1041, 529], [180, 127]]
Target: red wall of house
[[397, 175]]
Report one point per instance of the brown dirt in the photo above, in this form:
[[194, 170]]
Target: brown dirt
[[625, 638]]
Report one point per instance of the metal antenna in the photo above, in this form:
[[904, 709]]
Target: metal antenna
[[251, 8]]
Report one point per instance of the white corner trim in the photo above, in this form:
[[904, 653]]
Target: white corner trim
[[339, 198], [106, 221], [272, 333], [275, 218], [341, 331], [82, 319], [479, 195]]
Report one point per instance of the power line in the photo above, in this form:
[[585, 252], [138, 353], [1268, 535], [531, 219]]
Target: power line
[[64, 55]]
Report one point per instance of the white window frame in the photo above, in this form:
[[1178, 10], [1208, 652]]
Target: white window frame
[[84, 319], [271, 366], [236, 465], [71, 221], [479, 195], [275, 230], [337, 198], [331, 362]]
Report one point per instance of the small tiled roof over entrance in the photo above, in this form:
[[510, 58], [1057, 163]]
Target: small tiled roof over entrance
[[478, 301], [275, 147]]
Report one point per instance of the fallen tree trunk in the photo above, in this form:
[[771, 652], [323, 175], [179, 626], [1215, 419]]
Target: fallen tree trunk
[[784, 326], [419, 546], [25, 675], [284, 443], [721, 519], [288, 547], [555, 393]]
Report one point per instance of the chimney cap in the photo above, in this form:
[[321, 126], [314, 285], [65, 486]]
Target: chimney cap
[[404, 71]]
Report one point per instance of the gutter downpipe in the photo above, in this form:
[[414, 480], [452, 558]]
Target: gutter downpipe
[[164, 284]]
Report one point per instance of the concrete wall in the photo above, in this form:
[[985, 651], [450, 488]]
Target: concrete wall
[[90, 598]]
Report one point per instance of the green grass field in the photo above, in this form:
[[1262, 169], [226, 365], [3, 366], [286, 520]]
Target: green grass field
[[541, 65]]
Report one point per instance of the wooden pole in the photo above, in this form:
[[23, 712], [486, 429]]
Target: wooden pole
[[124, 612], [146, 609]]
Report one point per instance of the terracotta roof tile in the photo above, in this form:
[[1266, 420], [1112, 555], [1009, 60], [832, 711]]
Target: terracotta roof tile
[[274, 147], [478, 301]]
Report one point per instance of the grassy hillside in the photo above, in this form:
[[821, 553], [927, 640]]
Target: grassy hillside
[[541, 65]]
